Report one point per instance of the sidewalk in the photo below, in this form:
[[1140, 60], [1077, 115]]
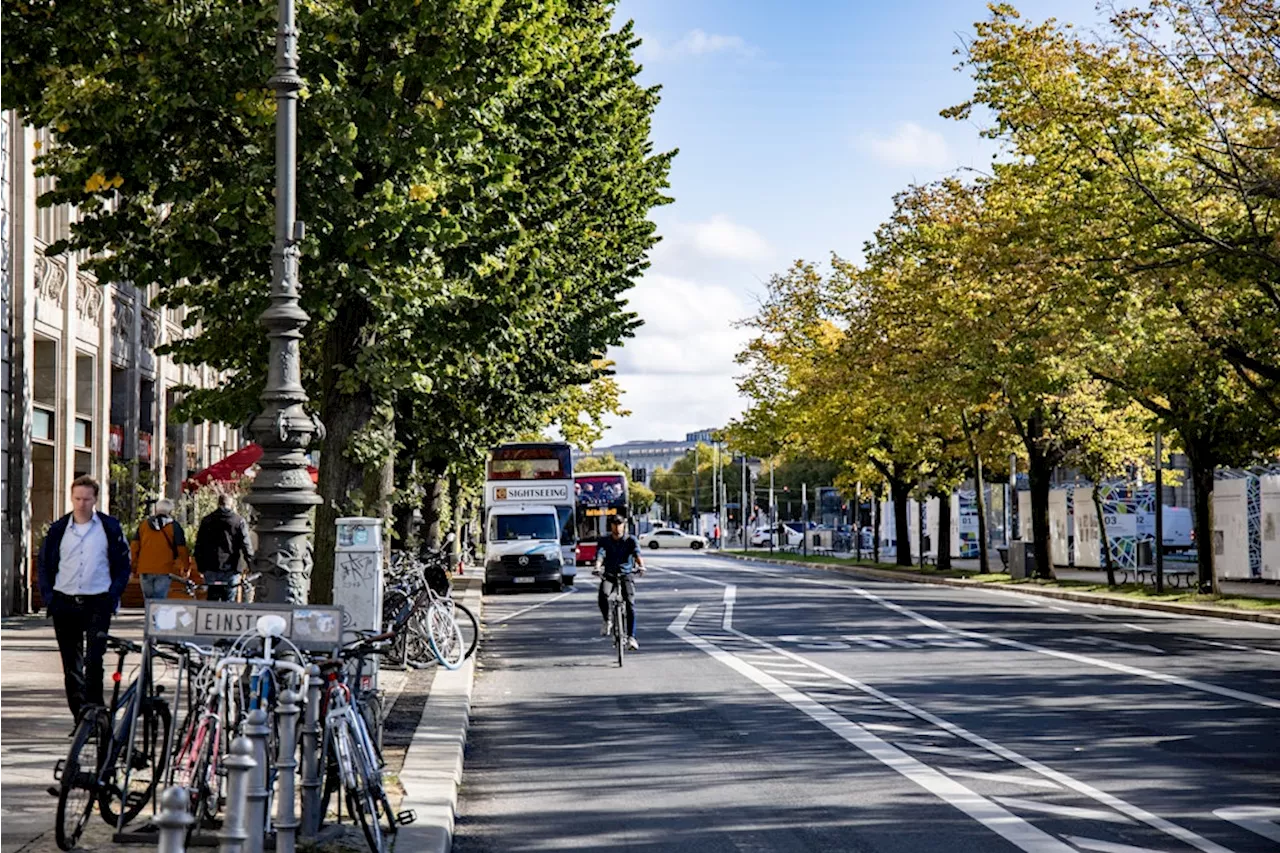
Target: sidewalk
[[35, 727]]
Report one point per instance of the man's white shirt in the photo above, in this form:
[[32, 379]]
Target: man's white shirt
[[83, 567]]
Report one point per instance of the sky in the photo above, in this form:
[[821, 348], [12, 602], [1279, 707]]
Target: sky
[[796, 123]]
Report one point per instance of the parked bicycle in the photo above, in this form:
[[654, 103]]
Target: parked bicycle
[[350, 757], [419, 608], [118, 753]]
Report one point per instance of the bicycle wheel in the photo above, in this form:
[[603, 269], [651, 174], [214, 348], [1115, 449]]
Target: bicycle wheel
[[620, 628], [79, 793], [146, 765], [445, 636], [365, 796], [469, 626]]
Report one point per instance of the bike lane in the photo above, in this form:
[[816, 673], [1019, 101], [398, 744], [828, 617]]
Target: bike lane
[[674, 751]]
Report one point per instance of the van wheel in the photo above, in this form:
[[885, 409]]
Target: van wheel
[[566, 580], [557, 586], [486, 588]]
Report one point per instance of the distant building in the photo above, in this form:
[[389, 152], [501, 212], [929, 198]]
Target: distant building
[[645, 457]]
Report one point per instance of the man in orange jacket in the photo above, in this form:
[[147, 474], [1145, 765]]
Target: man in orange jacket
[[159, 548]]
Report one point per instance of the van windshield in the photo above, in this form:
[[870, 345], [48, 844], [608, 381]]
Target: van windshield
[[511, 527]]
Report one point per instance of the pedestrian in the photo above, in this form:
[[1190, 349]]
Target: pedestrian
[[223, 538], [83, 569], [715, 536], [159, 549]]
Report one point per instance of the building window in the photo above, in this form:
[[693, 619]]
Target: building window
[[41, 425], [85, 384]]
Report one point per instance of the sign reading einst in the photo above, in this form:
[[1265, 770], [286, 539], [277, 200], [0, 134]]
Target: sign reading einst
[[310, 627]]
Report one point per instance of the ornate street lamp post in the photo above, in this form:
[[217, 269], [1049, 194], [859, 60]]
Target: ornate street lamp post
[[282, 492]]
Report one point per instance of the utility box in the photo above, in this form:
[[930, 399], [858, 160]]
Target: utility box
[[357, 583], [1022, 559]]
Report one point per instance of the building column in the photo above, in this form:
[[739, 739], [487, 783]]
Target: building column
[[160, 429], [67, 352], [102, 403], [24, 313]]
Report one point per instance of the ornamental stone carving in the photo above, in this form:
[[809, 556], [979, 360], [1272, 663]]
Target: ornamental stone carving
[[88, 298], [50, 278]]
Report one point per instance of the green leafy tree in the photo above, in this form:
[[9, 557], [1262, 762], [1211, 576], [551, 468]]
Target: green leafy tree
[[475, 180]]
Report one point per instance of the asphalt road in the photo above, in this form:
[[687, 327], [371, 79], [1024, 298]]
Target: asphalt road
[[789, 709]]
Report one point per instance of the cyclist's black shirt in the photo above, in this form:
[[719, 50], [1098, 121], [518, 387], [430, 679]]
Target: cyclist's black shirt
[[617, 552]]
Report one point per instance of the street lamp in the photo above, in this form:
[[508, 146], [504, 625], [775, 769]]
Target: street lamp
[[283, 494]]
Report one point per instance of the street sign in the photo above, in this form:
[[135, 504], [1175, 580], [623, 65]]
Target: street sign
[[309, 627]]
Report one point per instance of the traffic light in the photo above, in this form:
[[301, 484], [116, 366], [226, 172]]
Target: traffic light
[[638, 475]]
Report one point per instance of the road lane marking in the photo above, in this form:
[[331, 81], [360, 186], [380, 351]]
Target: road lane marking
[[1203, 686], [1063, 811], [1237, 647], [1140, 814], [894, 729], [500, 620], [1010, 778], [1138, 627], [1262, 820], [950, 752], [999, 820], [1106, 641], [1107, 846]]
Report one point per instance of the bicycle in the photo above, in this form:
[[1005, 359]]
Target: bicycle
[[618, 622], [242, 588], [125, 743], [195, 764], [425, 620], [348, 753]]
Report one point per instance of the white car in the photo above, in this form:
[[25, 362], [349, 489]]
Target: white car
[[667, 537], [764, 535]]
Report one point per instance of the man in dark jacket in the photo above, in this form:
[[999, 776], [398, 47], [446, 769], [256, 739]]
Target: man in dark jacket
[[83, 569], [223, 538]]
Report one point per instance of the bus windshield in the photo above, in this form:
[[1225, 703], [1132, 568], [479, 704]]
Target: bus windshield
[[507, 528]]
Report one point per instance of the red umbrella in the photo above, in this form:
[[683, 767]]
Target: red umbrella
[[233, 467]]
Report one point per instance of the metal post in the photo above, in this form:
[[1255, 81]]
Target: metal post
[[286, 822], [1015, 528], [311, 780], [742, 509], [696, 522], [174, 820], [804, 518], [256, 730], [857, 519], [1159, 544], [282, 492], [239, 764]]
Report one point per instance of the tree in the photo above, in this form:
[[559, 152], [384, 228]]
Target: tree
[[475, 182]]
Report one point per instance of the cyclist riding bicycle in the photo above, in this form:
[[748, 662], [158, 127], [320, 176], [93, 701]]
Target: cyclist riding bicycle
[[615, 554]]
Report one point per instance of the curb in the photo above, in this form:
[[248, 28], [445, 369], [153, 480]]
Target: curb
[[1066, 595], [432, 768]]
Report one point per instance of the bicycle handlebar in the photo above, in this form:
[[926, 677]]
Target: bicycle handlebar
[[274, 663]]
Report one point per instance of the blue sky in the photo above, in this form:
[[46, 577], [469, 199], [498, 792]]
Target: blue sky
[[796, 123]]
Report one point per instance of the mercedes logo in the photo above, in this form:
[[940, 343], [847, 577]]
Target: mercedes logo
[[524, 561]]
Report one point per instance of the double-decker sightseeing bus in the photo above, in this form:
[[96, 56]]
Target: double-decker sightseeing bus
[[531, 474], [599, 495]]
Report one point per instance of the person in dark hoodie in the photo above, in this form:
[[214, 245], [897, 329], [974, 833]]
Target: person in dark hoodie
[[223, 538], [83, 569], [159, 549]]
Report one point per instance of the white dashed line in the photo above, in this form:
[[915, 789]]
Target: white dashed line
[[1065, 811]]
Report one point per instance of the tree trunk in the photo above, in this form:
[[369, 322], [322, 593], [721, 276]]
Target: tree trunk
[[1106, 537], [433, 506], [900, 491], [943, 546], [981, 498], [1203, 464], [875, 527], [402, 512], [1040, 475], [455, 507]]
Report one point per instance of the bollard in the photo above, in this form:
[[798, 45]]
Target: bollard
[[311, 781], [286, 824], [174, 820], [239, 763], [256, 730]]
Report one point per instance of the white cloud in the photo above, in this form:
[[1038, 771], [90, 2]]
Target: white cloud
[[688, 329], [909, 145], [694, 43], [687, 247]]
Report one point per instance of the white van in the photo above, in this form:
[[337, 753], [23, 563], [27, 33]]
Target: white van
[[522, 547]]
